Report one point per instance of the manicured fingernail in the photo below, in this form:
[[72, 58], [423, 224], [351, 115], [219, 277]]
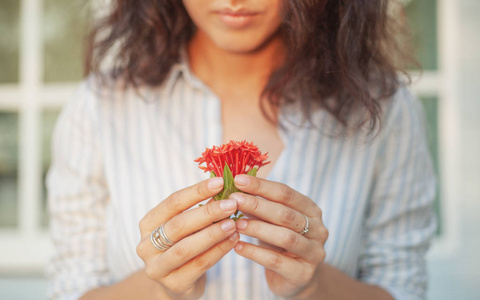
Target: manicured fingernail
[[227, 205], [239, 247], [215, 183], [227, 225], [241, 224], [234, 237], [241, 180], [238, 197]]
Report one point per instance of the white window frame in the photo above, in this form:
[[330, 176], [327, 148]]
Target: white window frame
[[26, 249], [448, 243]]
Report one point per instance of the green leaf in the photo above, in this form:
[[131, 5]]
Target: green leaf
[[228, 186], [253, 172], [212, 174], [237, 217], [227, 177]]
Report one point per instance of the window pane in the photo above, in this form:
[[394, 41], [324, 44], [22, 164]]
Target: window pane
[[9, 31], [64, 31], [422, 15], [431, 112], [8, 168], [48, 122]]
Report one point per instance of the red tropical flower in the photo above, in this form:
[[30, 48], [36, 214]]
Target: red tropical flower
[[229, 160], [240, 157]]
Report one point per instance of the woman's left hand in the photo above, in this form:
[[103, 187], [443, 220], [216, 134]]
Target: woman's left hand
[[291, 259]]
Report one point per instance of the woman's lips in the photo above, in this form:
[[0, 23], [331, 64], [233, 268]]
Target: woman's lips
[[237, 19]]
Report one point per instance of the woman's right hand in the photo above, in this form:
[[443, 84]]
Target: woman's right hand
[[199, 243]]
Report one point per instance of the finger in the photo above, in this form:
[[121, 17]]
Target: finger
[[277, 192], [294, 271], [180, 201], [193, 245], [281, 237], [190, 272], [193, 220], [189, 222], [270, 211]]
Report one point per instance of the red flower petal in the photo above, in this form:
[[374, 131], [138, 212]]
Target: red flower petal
[[241, 157]]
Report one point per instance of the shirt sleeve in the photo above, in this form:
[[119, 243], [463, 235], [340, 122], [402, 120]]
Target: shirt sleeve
[[400, 220], [77, 195]]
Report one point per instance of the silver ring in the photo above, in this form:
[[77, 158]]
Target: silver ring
[[157, 243], [160, 240], [164, 236], [305, 230]]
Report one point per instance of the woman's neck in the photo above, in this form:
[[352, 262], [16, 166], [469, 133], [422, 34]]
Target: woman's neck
[[235, 74]]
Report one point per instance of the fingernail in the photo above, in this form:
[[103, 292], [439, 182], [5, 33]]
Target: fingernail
[[234, 237], [215, 183], [241, 180], [239, 247], [241, 224], [227, 225], [238, 197], [227, 205]]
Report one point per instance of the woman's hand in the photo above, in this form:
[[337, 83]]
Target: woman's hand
[[291, 260], [199, 243]]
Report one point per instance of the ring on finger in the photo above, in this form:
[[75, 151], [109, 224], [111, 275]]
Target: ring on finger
[[305, 229], [160, 240]]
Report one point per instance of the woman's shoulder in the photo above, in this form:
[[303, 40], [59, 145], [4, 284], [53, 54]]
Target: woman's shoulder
[[107, 87], [403, 109], [107, 95], [104, 87]]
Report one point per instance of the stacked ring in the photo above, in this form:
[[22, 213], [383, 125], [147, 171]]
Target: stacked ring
[[305, 230], [160, 240]]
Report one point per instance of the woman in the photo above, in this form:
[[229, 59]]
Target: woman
[[314, 83]]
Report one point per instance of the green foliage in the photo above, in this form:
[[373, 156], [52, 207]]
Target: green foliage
[[230, 188], [237, 216], [228, 185], [253, 172]]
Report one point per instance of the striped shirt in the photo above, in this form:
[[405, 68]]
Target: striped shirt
[[117, 153]]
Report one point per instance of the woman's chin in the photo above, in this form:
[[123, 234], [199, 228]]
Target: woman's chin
[[238, 47], [241, 45]]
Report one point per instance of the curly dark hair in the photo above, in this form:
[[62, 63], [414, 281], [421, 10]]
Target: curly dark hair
[[344, 56]]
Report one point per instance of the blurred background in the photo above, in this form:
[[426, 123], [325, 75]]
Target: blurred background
[[41, 48]]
